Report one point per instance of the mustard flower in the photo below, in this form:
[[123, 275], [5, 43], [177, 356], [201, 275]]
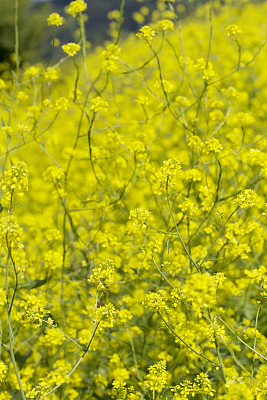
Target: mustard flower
[[169, 170], [193, 175], [219, 278], [119, 389], [103, 275], [109, 57], [182, 101], [156, 379], [71, 48], [52, 260], [33, 311], [232, 30], [194, 142], [202, 385], [76, 7], [247, 198], [21, 95], [152, 246], [32, 72], [216, 115], [139, 217], [3, 371], [155, 301], [53, 173], [188, 207], [34, 112], [243, 119], [16, 179], [62, 103], [55, 19], [106, 315], [165, 25], [51, 75], [98, 104], [146, 33], [212, 145], [142, 100]]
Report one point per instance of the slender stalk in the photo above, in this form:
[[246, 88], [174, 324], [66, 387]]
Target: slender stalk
[[217, 237], [178, 233], [17, 38], [186, 344], [254, 346], [95, 326], [242, 341]]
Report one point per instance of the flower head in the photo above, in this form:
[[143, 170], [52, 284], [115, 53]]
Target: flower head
[[164, 25], [16, 179], [232, 30], [146, 33], [156, 379], [71, 48], [247, 198], [169, 171], [55, 19], [76, 7], [139, 216], [98, 104]]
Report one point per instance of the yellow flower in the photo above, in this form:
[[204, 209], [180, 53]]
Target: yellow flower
[[246, 198], [3, 371], [76, 6], [55, 19], [146, 33], [165, 25], [98, 104], [232, 30], [71, 48]]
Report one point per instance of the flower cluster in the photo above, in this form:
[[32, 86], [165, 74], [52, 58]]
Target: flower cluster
[[34, 312], [109, 57], [71, 48], [98, 104], [164, 25], [232, 30], [103, 275], [169, 170], [146, 33], [201, 385], [16, 179], [138, 217], [156, 379], [3, 371], [76, 7], [10, 233], [55, 19], [247, 198], [156, 301], [106, 315], [53, 174]]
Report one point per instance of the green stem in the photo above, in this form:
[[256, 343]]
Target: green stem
[[186, 344], [17, 38], [242, 341], [254, 346], [178, 233]]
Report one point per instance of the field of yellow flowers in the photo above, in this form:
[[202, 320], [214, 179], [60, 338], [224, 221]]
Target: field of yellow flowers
[[133, 211]]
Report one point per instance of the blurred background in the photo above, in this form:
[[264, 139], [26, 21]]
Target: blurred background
[[35, 36]]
